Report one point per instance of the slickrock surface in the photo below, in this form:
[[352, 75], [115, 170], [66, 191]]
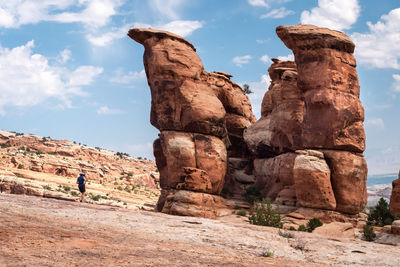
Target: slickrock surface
[[312, 105], [41, 166], [201, 117], [395, 197], [45, 232]]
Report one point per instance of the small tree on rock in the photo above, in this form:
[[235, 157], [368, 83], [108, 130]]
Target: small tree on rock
[[246, 89]]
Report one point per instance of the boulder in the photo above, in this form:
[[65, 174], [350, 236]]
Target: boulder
[[336, 230], [349, 180], [274, 174], [395, 227], [188, 203], [312, 180], [191, 155]]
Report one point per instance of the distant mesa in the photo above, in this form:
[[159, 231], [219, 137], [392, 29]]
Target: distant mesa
[[305, 150]]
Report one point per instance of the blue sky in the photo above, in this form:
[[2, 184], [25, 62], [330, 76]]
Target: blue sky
[[68, 70]]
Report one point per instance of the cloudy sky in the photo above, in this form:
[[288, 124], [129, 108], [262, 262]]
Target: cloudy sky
[[68, 70]]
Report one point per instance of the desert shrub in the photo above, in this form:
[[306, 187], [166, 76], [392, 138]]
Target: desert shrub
[[302, 228], [120, 188], [313, 223], [241, 213], [47, 187], [95, 197], [267, 253], [39, 152], [127, 189], [20, 166], [262, 213], [252, 194], [380, 215], [368, 233], [67, 188], [291, 228], [285, 234], [130, 174], [74, 193]]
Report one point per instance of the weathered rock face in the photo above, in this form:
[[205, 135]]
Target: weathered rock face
[[328, 78], [280, 127], [312, 103], [349, 180], [201, 117], [395, 197], [312, 180]]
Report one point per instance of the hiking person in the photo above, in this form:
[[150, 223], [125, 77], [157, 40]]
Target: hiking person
[[81, 185]]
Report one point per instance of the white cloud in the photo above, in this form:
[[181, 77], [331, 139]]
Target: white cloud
[[64, 56], [27, 79], [167, 8], [278, 13], [374, 123], [333, 14], [126, 78], [265, 59], [261, 3], [259, 89], [105, 110], [380, 46], [289, 57], [181, 27], [396, 83], [92, 13], [83, 75], [240, 60]]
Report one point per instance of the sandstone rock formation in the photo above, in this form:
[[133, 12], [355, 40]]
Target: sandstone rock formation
[[201, 117], [395, 197], [312, 124]]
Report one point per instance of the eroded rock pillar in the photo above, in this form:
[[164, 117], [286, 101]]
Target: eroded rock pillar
[[201, 117]]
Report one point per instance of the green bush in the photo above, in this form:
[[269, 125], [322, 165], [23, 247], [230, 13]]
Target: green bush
[[267, 254], [302, 228], [291, 228], [20, 166], [380, 215], [95, 197], [368, 233], [265, 215], [252, 194], [313, 223], [241, 213], [74, 193], [67, 188]]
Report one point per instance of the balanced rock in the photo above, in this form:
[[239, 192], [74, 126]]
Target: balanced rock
[[311, 125], [328, 78], [201, 117]]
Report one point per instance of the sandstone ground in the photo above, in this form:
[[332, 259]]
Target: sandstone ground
[[36, 231]]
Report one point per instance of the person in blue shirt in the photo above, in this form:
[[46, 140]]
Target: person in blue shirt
[[81, 185]]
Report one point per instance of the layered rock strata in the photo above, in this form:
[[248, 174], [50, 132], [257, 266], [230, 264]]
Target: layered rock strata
[[395, 197], [201, 117], [310, 138]]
